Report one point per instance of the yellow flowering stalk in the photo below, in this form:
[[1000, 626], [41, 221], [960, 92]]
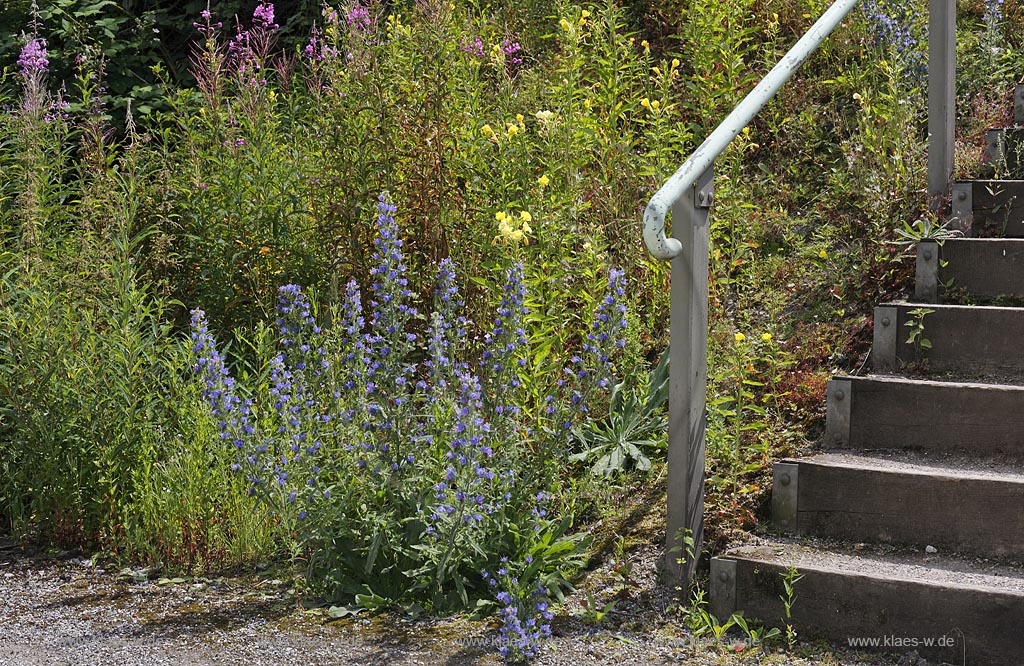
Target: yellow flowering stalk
[[511, 230]]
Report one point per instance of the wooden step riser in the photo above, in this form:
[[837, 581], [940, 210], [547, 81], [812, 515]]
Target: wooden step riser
[[978, 269], [931, 416], [1004, 152], [971, 340], [1018, 104], [989, 208], [973, 515], [977, 626]]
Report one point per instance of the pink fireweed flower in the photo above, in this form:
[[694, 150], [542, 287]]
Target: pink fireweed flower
[[264, 16], [510, 49], [474, 48], [359, 17], [33, 59]]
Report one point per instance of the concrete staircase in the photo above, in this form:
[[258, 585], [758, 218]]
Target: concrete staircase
[[908, 529]]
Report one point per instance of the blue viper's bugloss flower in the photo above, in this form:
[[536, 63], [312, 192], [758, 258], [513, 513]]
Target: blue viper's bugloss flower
[[524, 613], [993, 14], [296, 375], [347, 416], [234, 417], [593, 369], [447, 326], [390, 310], [468, 490], [896, 26], [388, 345], [505, 347]]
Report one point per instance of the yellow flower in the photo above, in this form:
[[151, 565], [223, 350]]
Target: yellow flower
[[516, 235], [823, 254], [646, 103], [746, 131], [513, 130], [565, 25], [500, 216], [675, 62], [519, 118], [525, 216], [739, 337], [647, 47], [543, 181], [585, 14], [655, 105], [767, 337], [487, 131], [527, 229], [545, 116]]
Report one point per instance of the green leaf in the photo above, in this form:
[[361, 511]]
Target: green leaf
[[338, 612]]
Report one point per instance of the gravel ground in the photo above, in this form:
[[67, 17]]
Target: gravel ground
[[72, 611]]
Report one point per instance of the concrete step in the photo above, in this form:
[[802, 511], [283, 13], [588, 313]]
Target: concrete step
[[878, 412], [959, 611], [972, 340], [971, 271], [949, 503], [989, 208]]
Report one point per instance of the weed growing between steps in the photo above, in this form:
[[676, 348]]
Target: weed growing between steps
[[703, 624]]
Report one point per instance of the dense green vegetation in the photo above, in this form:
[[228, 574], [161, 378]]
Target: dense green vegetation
[[521, 142]]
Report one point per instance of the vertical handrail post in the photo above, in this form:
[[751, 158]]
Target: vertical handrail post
[[941, 101], [688, 377]]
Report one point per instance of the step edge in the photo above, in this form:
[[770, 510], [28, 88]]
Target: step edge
[[911, 470], [821, 569], [901, 380], [938, 308]]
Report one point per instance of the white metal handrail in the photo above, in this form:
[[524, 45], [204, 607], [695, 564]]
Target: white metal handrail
[[704, 157], [689, 193]]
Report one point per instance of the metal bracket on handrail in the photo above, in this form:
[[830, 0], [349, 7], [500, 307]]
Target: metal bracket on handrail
[[663, 247]]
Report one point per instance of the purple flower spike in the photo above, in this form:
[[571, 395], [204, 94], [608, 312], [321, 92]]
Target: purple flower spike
[[33, 60]]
